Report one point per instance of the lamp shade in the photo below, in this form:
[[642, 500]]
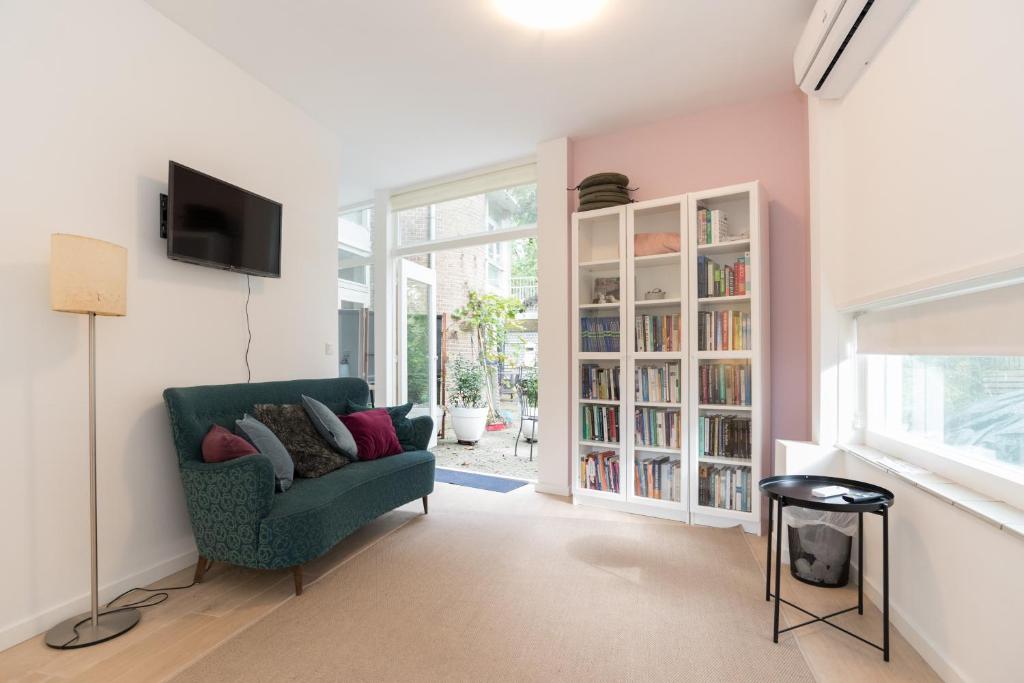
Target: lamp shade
[[88, 275]]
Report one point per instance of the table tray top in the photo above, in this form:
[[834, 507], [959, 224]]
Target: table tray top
[[795, 489]]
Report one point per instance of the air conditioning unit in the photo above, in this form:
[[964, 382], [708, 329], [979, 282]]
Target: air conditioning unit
[[840, 40]]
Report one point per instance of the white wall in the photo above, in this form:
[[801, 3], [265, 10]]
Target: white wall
[[553, 322], [914, 176], [97, 97]]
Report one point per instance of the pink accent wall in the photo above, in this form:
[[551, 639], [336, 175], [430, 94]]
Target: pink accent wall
[[762, 140]]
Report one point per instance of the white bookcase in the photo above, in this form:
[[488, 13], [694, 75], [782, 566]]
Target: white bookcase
[[655, 476]]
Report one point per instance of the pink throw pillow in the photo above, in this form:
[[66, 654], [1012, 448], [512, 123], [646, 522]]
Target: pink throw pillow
[[373, 432], [651, 243], [220, 445]]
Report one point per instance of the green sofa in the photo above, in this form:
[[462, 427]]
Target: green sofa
[[236, 516]]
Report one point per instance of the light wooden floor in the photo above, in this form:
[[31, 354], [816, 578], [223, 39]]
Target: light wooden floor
[[195, 621]]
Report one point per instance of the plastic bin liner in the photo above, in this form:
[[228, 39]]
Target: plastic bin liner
[[819, 545], [843, 522]]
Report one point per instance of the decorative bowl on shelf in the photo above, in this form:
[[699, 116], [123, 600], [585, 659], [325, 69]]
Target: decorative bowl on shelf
[[656, 293]]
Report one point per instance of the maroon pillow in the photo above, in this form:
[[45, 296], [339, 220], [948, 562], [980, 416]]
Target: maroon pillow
[[374, 433], [219, 445]]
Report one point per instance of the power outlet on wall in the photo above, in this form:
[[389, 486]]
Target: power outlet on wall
[[328, 349]]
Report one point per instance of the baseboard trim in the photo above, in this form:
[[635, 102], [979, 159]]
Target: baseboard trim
[[945, 669], [554, 489], [12, 634]]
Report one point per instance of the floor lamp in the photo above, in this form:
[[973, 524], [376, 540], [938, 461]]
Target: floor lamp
[[90, 276]]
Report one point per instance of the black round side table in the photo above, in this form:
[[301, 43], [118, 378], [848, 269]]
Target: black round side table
[[794, 490]]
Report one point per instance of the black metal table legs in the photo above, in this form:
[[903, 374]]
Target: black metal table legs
[[776, 530]]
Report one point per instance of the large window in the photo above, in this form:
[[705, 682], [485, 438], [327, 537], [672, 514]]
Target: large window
[[504, 209], [968, 407]]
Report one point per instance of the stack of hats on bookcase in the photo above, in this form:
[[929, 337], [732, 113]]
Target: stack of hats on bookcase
[[602, 190]]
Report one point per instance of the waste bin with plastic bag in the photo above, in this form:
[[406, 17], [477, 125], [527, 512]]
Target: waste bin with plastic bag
[[819, 545]]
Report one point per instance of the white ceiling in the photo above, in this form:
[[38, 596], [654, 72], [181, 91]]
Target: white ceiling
[[417, 89]]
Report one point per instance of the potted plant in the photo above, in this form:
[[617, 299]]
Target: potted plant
[[466, 402], [488, 317], [528, 385]]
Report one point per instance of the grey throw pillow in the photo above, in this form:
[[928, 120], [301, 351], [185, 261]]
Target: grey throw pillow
[[260, 436], [313, 457], [330, 427]]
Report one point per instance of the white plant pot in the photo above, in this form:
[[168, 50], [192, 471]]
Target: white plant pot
[[530, 430], [469, 423]]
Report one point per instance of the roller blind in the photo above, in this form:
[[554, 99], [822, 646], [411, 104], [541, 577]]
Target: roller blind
[[987, 323], [465, 187]]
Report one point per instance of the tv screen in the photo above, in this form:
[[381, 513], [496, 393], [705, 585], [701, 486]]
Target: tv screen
[[213, 223]]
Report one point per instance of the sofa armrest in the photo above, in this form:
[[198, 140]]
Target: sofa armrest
[[226, 503], [423, 429]]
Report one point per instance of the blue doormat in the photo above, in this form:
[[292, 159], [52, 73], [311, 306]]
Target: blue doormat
[[477, 481]]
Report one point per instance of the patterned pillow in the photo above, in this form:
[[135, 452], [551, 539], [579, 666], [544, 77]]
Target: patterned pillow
[[312, 455], [404, 428]]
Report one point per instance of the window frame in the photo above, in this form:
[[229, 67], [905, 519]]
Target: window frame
[[992, 479]]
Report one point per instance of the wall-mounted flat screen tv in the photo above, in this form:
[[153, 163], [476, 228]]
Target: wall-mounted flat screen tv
[[216, 224]]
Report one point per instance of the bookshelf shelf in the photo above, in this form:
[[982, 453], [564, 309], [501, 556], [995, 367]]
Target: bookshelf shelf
[[724, 247], [724, 355], [608, 262], [656, 259], [739, 462], [725, 408], [599, 444], [723, 299], [658, 302]]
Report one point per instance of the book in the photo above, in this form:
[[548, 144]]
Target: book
[[599, 334], [725, 384], [657, 427], [657, 477], [715, 279], [724, 486], [599, 383], [659, 383], [723, 331], [599, 471], [658, 332], [723, 436]]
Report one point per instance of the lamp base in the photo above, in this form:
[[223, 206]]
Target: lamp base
[[80, 631]]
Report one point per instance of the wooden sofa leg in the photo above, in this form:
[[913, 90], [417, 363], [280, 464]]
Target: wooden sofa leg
[[202, 564], [425, 505], [297, 575]]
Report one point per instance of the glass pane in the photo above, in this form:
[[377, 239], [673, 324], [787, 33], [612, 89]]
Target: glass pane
[[418, 343], [499, 210], [971, 405]]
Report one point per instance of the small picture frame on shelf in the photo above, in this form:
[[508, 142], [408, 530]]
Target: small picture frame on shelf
[[606, 290]]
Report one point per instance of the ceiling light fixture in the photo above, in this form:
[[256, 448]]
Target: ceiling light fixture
[[550, 14]]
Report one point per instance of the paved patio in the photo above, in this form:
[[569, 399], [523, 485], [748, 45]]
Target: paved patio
[[492, 454]]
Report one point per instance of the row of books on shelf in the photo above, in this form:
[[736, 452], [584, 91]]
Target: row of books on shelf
[[724, 486], [723, 436], [657, 427], [658, 383], [599, 471], [658, 478], [725, 384], [599, 423], [598, 383], [599, 335], [713, 228], [723, 330], [658, 332], [715, 279]]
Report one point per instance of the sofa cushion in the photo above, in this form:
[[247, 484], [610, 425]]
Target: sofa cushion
[[308, 520], [330, 427], [260, 436], [405, 430], [220, 445], [312, 455], [374, 434]]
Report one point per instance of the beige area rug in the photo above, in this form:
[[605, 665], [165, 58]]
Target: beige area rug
[[477, 596]]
